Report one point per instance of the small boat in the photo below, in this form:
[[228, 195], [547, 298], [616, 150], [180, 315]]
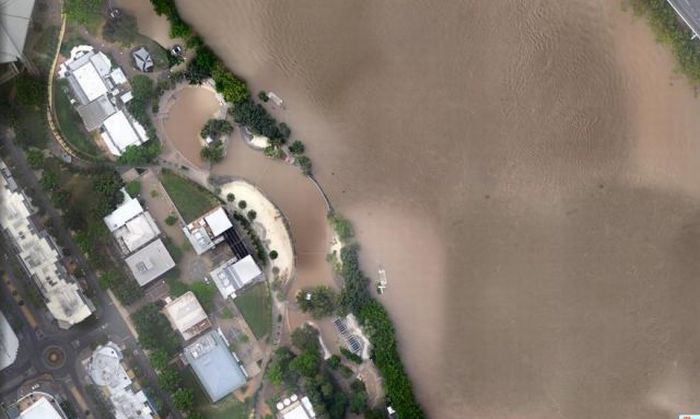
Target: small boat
[[381, 284], [276, 99]]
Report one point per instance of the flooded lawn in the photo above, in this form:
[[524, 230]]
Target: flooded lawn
[[184, 113]]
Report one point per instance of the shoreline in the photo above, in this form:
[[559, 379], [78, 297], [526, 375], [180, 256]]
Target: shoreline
[[398, 385]]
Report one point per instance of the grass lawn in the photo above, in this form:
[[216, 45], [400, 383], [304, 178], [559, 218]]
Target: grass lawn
[[71, 125], [228, 408], [256, 306], [191, 200]]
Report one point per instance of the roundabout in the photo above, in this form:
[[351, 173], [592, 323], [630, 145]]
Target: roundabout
[[53, 357]]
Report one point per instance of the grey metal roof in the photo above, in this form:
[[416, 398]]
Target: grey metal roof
[[215, 366], [143, 59], [15, 16], [95, 112]]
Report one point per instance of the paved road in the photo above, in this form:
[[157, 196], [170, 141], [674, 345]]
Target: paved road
[[689, 11], [105, 322]]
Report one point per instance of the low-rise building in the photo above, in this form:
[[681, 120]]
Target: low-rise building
[[131, 226], [218, 369], [101, 91], [187, 316], [39, 256], [104, 367], [15, 16], [40, 406], [234, 275], [120, 132], [293, 407], [137, 234], [9, 344], [208, 230], [150, 262], [143, 59]]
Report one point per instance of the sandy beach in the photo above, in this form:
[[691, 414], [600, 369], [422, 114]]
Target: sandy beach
[[269, 224]]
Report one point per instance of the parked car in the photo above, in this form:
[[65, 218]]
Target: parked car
[[176, 51]]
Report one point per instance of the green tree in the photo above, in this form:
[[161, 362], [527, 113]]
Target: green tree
[[137, 155], [306, 339], [35, 158], [171, 219], [285, 131], [49, 180], [154, 329], [133, 188], [170, 380], [233, 89], [274, 372], [333, 362], [183, 399], [306, 364], [252, 214], [159, 359], [305, 164], [297, 148], [230, 197], [179, 29], [273, 254], [214, 152], [321, 301], [262, 95], [242, 204], [343, 227], [215, 128]]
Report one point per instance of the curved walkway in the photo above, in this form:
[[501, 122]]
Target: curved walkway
[[50, 112]]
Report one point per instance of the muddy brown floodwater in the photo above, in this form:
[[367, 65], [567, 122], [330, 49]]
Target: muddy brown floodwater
[[528, 173], [186, 111]]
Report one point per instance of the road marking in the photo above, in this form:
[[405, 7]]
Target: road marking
[[29, 316], [79, 398]]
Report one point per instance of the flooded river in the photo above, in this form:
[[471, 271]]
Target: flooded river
[[528, 173]]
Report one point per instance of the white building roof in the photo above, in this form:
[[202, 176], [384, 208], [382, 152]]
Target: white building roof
[[187, 316], [9, 344], [121, 132], [15, 16], [117, 76], [136, 232], [90, 81], [218, 221], [39, 257], [234, 275], [205, 232], [126, 97], [150, 262], [105, 369], [41, 409], [129, 208], [293, 408]]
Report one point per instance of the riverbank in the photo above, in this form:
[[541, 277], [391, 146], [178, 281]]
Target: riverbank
[[399, 391]]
